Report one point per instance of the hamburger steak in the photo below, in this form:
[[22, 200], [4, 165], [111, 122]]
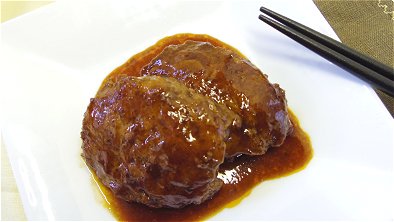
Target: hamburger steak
[[155, 141], [229, 79], [159, 139]]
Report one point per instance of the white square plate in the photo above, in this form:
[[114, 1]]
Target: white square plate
[[54, 59]]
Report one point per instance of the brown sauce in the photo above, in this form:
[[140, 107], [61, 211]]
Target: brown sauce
[[244, 173]]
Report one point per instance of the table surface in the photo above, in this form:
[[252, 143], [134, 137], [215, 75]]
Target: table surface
[[367, 26]]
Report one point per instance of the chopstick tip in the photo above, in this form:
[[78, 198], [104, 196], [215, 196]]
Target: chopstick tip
[[262, 17], [264, 9]]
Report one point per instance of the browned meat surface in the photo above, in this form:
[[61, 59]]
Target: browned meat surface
[[232, 80], [155, 141]]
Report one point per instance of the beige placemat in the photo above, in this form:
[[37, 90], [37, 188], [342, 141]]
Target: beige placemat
[[367, 26], [11, 204]]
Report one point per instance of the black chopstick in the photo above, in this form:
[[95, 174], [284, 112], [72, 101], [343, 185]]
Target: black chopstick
[[368, 69], [331, 43]]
